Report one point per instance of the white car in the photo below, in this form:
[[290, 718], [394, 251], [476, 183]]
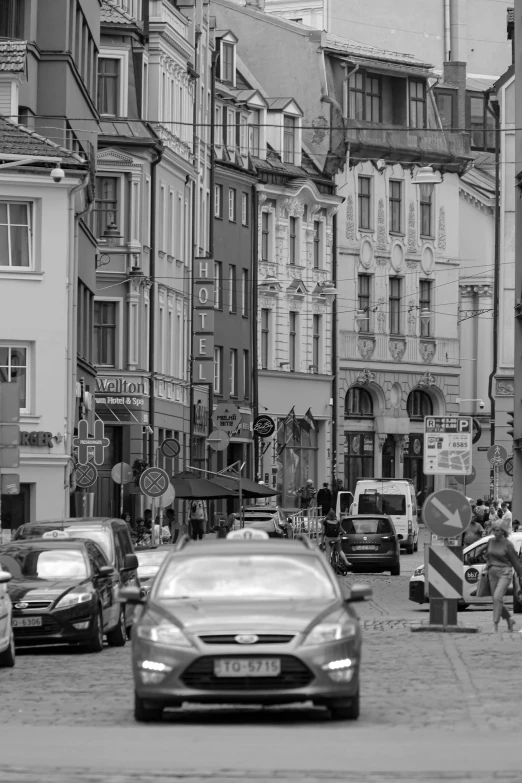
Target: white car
[[474, 560], [268, 518], [7, 645]]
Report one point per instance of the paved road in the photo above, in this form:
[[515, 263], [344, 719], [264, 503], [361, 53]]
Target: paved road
[[434, 707]]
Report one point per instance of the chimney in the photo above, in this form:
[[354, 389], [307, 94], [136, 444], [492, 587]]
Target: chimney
[[258, 4], [455, 76]]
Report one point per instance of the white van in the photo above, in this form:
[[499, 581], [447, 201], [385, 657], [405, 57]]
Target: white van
[[395, 497]]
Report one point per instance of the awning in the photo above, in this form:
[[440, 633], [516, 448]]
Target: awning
[[188, 485], [249, 488]]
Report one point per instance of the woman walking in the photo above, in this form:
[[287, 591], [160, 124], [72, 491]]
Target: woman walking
[[502, 559]]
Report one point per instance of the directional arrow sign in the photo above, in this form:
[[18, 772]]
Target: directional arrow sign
[[446, 513]]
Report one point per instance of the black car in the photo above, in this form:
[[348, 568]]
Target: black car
[[62, 591], [113, 537], [370, 543]]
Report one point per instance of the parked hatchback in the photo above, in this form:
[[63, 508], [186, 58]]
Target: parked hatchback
[[113, 537], [371, 543]]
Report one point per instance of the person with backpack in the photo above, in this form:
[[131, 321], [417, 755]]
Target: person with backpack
[[197, 518], [306, 494], [331, 534], [480, 511]]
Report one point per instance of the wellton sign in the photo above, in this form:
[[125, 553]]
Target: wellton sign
[[122, 386]]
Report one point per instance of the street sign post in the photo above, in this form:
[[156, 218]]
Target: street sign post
[[170, 448], [496, 455], [86, 475], [446, 514], [218, 440], [447, 445], [85, 442], [154, 482], [122, 474]]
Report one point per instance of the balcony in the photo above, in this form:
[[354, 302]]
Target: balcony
[[431, 145]]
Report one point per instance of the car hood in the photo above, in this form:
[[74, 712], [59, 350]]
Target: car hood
[[39, 589], [234, 616]]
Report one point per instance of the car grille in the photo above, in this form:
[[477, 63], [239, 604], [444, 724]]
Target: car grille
[[263, 638], [36, 604], [200, 675], [49, 626]]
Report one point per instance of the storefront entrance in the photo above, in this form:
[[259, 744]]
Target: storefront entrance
[[16, 508], [106, 501], [388, 457], [413, 468], [358, 458]]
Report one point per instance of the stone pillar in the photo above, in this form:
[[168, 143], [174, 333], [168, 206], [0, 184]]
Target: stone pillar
[[468, 373], [484, 342], [377, 458]]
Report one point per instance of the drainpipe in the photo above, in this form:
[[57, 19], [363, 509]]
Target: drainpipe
[[333, 438], [72, 306], [212, 156], [494, 108], [254, 316], [152, 304]]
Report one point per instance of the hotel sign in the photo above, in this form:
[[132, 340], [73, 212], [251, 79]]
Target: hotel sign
[[130, 393], [203, 322]]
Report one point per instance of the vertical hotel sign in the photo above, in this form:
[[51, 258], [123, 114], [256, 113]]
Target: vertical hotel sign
[[203, 322]]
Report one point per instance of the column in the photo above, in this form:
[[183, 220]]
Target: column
[[377, 454], [468, 373], [484, 353]]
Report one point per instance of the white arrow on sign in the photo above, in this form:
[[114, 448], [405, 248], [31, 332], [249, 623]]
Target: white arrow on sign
[[453, 518]]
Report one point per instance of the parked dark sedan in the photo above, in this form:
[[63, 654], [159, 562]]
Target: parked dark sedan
[[370, 543], [62, 591]]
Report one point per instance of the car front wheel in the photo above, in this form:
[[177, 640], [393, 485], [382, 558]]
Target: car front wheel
[[96, 642], [144, 712], [345, 710], [8, 657]]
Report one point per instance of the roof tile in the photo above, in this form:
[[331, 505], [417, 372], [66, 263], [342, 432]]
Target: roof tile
[[17, 140], [13, 56], [112, 13]]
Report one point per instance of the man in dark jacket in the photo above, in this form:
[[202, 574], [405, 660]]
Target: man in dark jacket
[[324, 499]]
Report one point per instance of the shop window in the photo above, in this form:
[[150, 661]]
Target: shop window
[[15, 234], [297, 449], [358, 403], [413, 467], [358, 458], [419, 404]]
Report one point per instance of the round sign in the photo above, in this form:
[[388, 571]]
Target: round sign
[[264, 426], [466, 479], [471, 576], [497, 455], [477, 431], [226, 417], [56, 534], [508, 466], [168, 498], [154, 482], [447, 513], [218, 440], [122, 473], [86, 475], [170, 448]]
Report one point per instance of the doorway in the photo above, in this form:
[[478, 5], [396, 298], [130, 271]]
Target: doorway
[[388, 457]]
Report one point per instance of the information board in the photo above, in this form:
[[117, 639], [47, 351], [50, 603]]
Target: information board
[[447, 445]]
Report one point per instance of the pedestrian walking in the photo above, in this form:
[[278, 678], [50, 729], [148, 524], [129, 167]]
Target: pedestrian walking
[[480, 511], [507, 516], [338, 488], [324, 499], [127, 518], [197, 518], [474, 532], [306, 494], [501, 560]]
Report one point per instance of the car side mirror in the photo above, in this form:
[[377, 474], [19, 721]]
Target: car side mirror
[[130, 563], [5, 577], [130, 595], [358, 593], [105, 571]]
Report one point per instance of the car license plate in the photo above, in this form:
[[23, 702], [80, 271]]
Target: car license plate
[[247, 667], [365, 546], [26, 622]]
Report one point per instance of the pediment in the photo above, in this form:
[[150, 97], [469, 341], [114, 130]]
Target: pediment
[[116, 157]]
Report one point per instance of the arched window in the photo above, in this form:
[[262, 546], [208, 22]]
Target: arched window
[[358, 402], [419, 404]]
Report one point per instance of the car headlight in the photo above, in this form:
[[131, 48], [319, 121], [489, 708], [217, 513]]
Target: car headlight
[[163, 632], [71, 599], [419, 571], [331, 630]]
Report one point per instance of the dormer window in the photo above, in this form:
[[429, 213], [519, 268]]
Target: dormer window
[[254, 135], [289, 139], [227, 63]]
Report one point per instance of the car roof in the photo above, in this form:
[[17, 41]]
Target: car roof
[[216, 546], [517, 536], [51, 543], [366, 516], [85, 521]]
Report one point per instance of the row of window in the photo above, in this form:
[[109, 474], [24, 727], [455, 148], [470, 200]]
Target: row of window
[[237, 129], [365, 99], [234, 380], [396, 216], [294, 339], [396, 308], [231, 205], [294, 240], [232, 290], [358, 403]]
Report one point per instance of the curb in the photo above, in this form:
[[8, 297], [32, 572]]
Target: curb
[[445, 628]]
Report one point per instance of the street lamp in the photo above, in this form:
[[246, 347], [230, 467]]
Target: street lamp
[[426, 175]]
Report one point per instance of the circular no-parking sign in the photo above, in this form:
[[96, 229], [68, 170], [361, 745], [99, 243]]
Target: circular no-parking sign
[[154, 482], [86, 475], [447, 513], [170, 448]]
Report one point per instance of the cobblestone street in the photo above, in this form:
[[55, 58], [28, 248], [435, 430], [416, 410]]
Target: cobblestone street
[[419, 686]]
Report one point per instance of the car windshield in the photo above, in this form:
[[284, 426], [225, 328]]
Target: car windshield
[[246, 577], [48, 564], [376, 503], [150, 561], [98, 534], [367, 525]]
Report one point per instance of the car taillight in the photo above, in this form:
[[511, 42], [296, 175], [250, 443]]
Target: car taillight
[[410, 525]]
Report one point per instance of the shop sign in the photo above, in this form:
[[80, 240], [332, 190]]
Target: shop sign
[[39, 439], [244, 429], [447, 445], [203, 322], [200, 419], [123, 393]]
